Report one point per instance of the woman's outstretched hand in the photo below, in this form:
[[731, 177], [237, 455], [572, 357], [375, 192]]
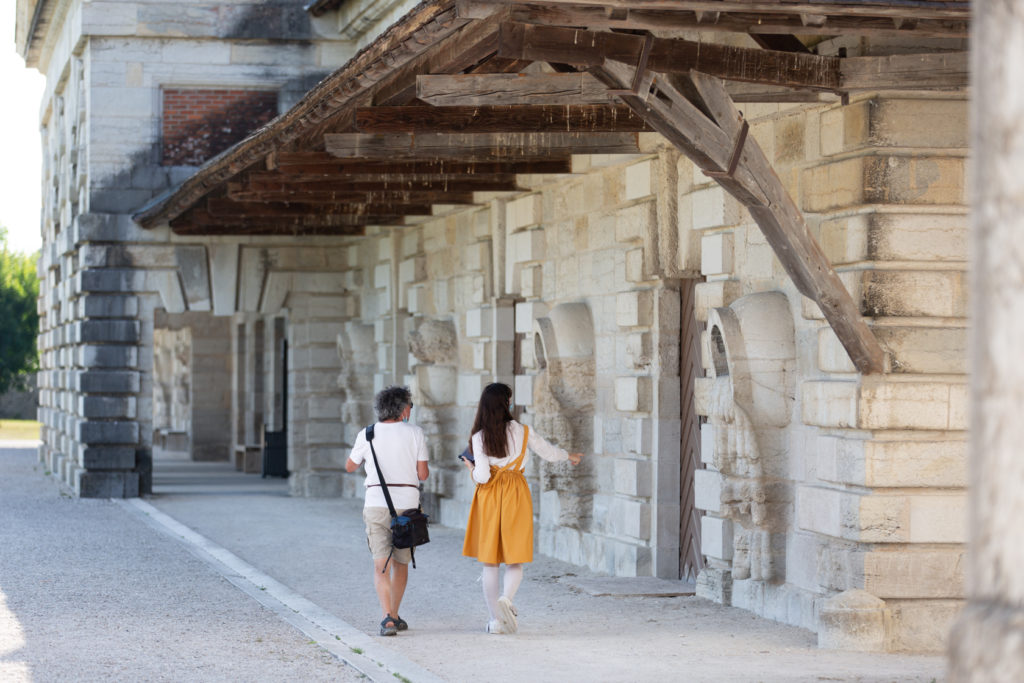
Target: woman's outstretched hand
[[575, 458]]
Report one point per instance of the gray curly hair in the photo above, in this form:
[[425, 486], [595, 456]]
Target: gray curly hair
[[391, 401]]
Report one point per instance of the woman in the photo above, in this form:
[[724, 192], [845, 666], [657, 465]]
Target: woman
[[500, 526]]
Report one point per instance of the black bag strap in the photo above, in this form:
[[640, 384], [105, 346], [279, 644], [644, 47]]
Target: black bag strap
[[380, 475]]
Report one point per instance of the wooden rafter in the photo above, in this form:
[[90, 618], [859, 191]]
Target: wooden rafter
[[669, 55], [229, 207], [198, 217], [383, 184], [512, 89], [478, 146], [322, 162], [621, 9], [684, 18], [505, 119], [241, 194]]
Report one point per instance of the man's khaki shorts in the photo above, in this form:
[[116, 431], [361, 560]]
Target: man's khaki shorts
[[378, 536]]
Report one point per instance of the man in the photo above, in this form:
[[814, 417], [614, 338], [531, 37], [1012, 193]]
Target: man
[[402, 455]]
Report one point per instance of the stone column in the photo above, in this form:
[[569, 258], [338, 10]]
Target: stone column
[[988, 642], [210, 402]]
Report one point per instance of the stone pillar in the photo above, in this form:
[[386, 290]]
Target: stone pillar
[[988, 642], [316, 457], [211, 387]]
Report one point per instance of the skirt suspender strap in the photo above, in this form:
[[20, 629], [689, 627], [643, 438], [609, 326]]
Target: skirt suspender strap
[[518, 461]]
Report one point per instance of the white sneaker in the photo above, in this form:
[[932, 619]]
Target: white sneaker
[[507, 614], [494, 626]]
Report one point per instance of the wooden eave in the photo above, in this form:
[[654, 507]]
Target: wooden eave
[[462, 96]]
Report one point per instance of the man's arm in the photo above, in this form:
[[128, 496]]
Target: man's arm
[[422, 470], [351, 466]]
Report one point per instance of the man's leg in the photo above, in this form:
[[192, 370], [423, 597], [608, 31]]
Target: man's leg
[[382, 583], [399, 578]]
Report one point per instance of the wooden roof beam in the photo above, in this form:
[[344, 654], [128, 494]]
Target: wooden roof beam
[[240, 194], [229, 207], [767, 67], [249, 227], [941, 70], [669, 55], [466, 183], [887, 20], [317, 162], [198, 217], [512, 89], [499, 119], [337, 180], [930, 9], [478, 146]]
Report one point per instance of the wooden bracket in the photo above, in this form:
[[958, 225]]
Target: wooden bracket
[[734, 160], [641, 68]]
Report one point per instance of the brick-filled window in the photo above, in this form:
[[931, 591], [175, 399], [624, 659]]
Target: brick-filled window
[[201, 123]]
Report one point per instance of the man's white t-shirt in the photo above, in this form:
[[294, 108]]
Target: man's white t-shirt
[[399, 447]]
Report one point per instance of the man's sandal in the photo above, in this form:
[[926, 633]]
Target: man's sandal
[[388, 627], [400, 624]]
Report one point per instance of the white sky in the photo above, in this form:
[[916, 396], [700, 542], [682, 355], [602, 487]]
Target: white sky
[[20, 181]]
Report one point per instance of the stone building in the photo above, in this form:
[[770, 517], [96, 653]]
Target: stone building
[[755, 323]]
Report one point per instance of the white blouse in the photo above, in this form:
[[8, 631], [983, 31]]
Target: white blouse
[[535, 443]]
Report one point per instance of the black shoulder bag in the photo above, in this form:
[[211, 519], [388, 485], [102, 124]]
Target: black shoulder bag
[[408, 529]]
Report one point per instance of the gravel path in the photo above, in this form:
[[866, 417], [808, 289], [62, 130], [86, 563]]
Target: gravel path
[[89, 593]]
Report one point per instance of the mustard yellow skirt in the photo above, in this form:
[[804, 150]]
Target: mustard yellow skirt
[[500, 526]]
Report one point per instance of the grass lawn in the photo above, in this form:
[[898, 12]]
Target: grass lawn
[[18, 430]]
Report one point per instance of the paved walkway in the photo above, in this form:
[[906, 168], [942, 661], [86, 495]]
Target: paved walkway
[[305, 561]]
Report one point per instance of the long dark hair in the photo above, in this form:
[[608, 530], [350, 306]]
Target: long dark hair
[[492, 418]]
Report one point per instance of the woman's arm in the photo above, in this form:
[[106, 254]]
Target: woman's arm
[[482, 466], [539, 445]]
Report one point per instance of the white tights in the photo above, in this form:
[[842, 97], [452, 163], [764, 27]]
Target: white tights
[[513, 577]]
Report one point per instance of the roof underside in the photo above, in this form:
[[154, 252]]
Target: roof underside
[[459, 98]]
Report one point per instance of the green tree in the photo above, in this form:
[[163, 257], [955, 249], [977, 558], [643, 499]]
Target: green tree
[[19, 322]]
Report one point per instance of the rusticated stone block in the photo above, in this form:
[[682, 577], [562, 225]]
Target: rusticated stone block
[[916, 293], [90, 432], [854, 620], [108, 381], [106, 406], [89, 484], [116, 331], [715, 585], [915, 573], [110, 280], [103, 306], [108, 356], [108, 457]]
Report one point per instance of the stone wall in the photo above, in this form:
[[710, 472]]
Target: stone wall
[[873, 469]]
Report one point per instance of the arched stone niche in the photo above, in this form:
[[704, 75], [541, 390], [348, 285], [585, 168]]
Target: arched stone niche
[[753, 357], [563, 406]]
